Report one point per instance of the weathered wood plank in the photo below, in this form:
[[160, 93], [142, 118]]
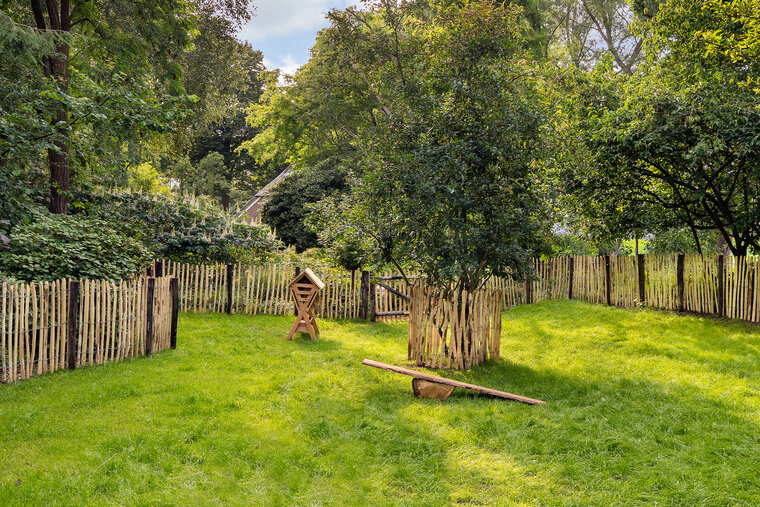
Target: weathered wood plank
[[455, 383], [394, 291]]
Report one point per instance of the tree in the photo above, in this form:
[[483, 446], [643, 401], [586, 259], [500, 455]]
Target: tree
[[227, 76], [314, 119], [145, 178], [583, 31], [681, 136], [126, 76], [445, 177], [287, 204]]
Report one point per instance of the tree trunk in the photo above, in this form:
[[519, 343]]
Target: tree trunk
[[58, 162], [56, 68], [58, 159]]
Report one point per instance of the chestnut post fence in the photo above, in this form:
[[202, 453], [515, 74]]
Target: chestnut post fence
[[703, 284], [68, 324]]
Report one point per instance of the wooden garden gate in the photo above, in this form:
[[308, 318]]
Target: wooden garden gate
[[388, 299]]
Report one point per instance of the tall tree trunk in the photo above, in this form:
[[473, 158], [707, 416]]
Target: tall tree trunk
[[56, 68], [60, 173], [58, 159], [226, 201]]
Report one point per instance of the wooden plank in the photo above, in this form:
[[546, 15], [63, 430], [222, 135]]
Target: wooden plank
[[391, 314], [394, 291], [390, 277], [455, 383]]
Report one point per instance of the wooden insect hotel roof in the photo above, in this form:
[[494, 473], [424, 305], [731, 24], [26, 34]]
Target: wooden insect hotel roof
[[309, 275]]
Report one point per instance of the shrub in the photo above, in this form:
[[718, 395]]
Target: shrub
[[62, 246], [179, 230]]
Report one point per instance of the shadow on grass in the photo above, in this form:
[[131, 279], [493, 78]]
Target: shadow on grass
[[613, 433], [322, 343], [637, 412]]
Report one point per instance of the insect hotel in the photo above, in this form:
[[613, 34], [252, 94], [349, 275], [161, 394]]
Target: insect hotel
[[305, 289]]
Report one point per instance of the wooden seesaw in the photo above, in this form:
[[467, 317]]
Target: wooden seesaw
[[425, 385]]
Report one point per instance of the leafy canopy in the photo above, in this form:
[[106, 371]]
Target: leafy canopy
[[445, 137]]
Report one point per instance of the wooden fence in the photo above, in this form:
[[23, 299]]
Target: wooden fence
[[705, 284], [64, 324], [261, 289], [713, 285], [462, 329]]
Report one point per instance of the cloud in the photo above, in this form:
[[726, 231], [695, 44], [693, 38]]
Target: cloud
[[287, 64], [277, 18]]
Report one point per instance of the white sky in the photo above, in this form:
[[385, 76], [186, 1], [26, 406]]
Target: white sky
[[284, 30]]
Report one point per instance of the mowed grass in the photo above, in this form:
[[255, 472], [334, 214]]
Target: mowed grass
[[643, 407]]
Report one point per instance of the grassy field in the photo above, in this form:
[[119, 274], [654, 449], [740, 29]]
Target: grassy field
[[643, 407]]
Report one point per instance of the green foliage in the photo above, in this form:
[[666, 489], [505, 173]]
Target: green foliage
[[60, 246], [178, 230], [97, 83], [7, 278], [286, 204], [675, 145], [688, 148], [446, 159], [208, 178], [682, 241], [227, 76], [145, 178], [314, 119], [585, 32], [574, 244]]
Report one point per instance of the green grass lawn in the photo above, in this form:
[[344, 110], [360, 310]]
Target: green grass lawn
[[643, 407]]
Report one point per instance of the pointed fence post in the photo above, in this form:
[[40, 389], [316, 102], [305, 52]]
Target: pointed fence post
[[608, 280], [295, 305], [721, 286], [72, 327], [372, 300], [571, 270], [230, 279], [680, 281], [364, 296], [149, 317], [174, 290], [640, 264], [528, 291]]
